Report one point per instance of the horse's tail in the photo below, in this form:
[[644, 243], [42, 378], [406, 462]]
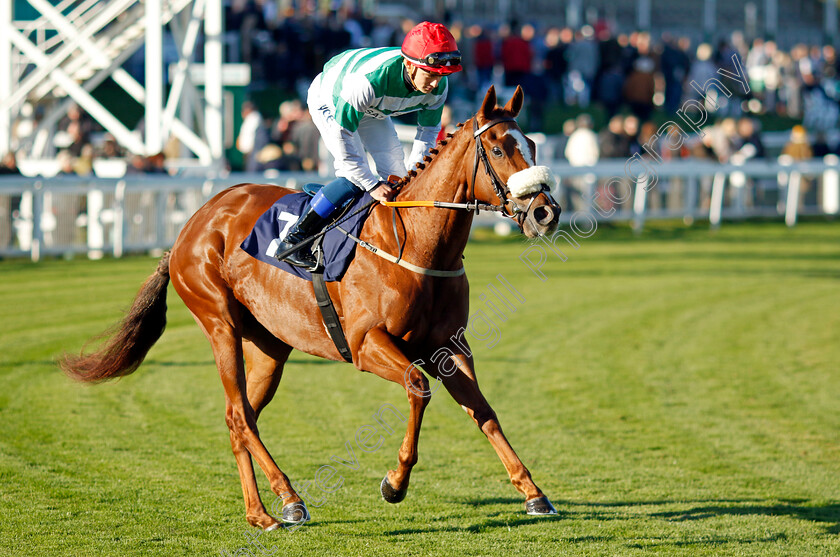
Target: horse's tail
[[130, 340]]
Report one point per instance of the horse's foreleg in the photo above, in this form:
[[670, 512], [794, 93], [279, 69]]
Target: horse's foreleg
[[463, 386], [378, 354], [263, 376]]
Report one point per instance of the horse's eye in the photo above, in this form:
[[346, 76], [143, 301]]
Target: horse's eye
[[496, 152]]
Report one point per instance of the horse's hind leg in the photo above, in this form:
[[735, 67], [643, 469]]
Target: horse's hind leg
[[463, 387], [222, 319], [263, 376]]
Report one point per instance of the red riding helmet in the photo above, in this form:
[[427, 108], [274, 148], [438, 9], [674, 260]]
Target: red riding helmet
[[432, 47]]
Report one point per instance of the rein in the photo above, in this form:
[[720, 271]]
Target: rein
[[500, 187], [474, 206], [502, 192]]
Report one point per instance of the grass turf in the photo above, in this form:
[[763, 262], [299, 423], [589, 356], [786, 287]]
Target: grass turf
[[673, 394]]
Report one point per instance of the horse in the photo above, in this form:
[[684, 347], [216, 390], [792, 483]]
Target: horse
[[254, 314]]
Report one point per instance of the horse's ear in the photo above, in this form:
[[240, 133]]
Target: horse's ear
[[514, 105], [489, 104]]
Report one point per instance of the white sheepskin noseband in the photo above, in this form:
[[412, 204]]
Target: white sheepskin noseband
[[530, 180]]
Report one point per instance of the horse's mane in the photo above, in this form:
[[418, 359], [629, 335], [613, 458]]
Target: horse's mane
[[435, 152]]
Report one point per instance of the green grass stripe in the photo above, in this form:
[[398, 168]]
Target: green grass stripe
[[673, 393]]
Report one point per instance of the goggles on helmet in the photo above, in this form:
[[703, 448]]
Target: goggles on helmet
[[439, 59]]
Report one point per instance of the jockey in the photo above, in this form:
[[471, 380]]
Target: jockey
[[352, 102]]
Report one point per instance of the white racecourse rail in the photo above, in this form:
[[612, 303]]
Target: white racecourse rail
[[98, 216]]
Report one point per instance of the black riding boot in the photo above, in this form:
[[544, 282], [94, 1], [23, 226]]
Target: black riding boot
[[307, 225]]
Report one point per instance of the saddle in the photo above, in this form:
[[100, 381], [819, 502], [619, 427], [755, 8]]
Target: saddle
[[338, 249]]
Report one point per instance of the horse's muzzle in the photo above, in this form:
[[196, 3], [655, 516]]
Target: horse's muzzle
[[541, 219]]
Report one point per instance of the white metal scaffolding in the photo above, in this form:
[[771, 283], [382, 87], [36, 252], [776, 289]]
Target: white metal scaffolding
[[5, 75], [59, 58]]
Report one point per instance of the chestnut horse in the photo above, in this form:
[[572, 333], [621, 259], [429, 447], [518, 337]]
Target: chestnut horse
[[391, 315]]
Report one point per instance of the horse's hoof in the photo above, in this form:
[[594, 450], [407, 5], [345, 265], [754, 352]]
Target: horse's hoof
[[271, 527], [389, 493], [540, 506], [295, 513]]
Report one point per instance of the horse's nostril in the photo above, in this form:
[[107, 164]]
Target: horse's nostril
[[544, 215]]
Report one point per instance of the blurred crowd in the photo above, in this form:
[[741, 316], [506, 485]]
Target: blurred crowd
[[289, 143], [629, 82], [79, 140], [572, 67], [629, 77]]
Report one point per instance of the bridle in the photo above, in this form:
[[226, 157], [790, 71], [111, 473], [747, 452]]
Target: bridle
[[501, 188], [502, 192]]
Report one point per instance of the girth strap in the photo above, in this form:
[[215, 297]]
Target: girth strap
[[328, 313]]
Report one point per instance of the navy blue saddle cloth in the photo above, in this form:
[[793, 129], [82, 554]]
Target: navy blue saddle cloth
[[339, 250]]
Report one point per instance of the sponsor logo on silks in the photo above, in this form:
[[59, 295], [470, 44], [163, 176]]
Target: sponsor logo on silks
[[372, 112]]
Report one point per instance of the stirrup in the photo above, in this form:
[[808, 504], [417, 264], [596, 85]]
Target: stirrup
[[298, 258], [318, 253]]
